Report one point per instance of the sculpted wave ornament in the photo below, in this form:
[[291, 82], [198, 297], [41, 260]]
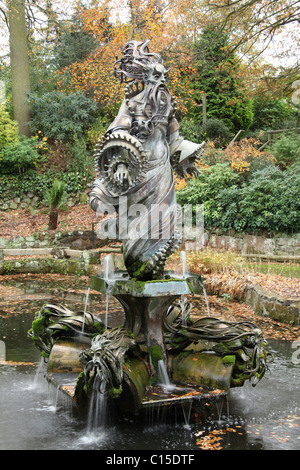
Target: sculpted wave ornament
[[136, 160]]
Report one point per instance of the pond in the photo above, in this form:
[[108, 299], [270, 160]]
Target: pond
[[33, 416]]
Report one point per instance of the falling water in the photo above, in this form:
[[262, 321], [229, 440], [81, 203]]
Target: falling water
[[163, 376], [107, 295], [108, 268], [108, 276], [53, 400], [186, 410], [33, 385], [2, 351], [219, 407], [98, 410], [85, 309], [206, 298], [184, 264]]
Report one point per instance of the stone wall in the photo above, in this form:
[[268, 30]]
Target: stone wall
[[242, 244], [79, 240], [250, 244], [30, 200]]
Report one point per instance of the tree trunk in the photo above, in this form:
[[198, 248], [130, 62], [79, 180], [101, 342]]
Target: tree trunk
[[19, 63], [53, 218]]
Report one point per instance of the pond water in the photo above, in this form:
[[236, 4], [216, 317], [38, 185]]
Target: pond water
[[34, 417]]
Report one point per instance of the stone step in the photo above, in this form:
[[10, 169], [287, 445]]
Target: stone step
[[50, 251]]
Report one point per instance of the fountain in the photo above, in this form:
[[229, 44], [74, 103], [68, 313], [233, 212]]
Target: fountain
[[159, 341]]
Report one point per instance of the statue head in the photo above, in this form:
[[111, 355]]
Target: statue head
[[138, 63], [156, 74]]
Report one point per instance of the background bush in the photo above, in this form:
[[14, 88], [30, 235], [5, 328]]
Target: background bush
[[18, 157], [17, 185], [8, 129], [268, 201], [217, 130], [286, 150], [61, 116]]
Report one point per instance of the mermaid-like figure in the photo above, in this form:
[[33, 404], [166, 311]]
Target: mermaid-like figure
[[135, 162]]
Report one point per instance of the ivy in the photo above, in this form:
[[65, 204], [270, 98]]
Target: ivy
[[17, 185]]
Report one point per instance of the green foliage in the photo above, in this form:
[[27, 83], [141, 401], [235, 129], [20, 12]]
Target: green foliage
[[268, 201], [61, 116], [217, 75], [191, 130], [271, 200], [18, 157], [18, 185], [273, 114], [56, 198], [208, 184], [8, 129], [81, 159], [286, 150], [216, 129], [97, 130], [74, 43]]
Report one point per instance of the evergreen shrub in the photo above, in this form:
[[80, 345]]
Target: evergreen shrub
[[268, 201], [61, 116]]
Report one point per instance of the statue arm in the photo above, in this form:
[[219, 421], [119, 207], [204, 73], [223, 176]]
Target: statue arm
[[122, 123], [184, 154]]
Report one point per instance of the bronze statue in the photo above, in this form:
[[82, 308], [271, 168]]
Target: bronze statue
[[136, 160]]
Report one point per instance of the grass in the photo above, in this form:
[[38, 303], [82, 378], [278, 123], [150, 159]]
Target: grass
[[208, 261], [282, 269]]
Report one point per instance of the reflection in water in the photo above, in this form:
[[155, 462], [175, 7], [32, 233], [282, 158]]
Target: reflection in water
[[264, 417]]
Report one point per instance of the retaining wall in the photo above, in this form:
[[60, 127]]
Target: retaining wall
[[243, 244]]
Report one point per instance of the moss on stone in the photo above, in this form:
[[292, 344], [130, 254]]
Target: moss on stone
[[228, 360], [156, 354], [115, 392]]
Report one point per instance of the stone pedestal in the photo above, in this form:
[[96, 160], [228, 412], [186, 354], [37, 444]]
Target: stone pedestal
[[146, 304]]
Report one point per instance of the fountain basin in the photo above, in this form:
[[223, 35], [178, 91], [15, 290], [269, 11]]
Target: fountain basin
[[120, 284], [195, 377], [201, 358]]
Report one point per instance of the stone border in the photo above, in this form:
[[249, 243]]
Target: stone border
[[263, 303], [246, 244], [61, 260], [255, 246], [277, 308], [78, 239]]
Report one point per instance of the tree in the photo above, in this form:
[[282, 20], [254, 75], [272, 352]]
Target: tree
[[216, 74], [255, 19], [19, 63], [255, 24], [56, 200], [74, 43]]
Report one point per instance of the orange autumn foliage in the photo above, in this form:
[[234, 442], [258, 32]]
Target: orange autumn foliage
[[112, 26], [243, 154]]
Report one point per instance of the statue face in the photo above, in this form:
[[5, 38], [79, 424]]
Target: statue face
[[156, 74]]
